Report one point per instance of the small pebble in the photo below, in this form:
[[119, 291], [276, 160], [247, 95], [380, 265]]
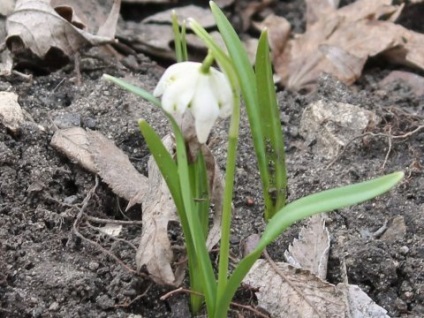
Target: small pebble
[[54, 306], [93, 265], [404, 250]]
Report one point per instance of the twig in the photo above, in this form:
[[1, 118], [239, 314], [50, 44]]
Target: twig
[[135, 299], [121, 222], [82, 237], [111, 236], [287, 280], [389, 140]]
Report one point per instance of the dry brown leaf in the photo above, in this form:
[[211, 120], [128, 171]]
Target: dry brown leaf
[[11, 115], [155, 35], [311, 250], [339, 42], [73, 143], [298, 294], [114, 167], [99, 155], [331, 125], [360, 305], [92, 13], [58, 36], [414, 81], [154, 250]]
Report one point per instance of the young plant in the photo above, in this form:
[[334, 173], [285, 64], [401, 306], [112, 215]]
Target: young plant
[[202, 93]]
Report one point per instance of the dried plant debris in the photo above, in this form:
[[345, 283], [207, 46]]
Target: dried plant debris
[[99, 155], [155, 35], [414, 81], [294, 292], [360, 305], [11, 115], [154, 251], [311, 250], [331, 125], [339, 41], [285, 291], [115, 169], [73, 143], [48, 37]]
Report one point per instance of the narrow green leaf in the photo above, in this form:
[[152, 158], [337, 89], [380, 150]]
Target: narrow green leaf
[[247, 80], [313, 204], [177, 37], [202, 254], [169, 171], [271, 129], [134, 89]]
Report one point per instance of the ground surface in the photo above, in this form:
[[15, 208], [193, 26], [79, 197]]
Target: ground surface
[[46, 271]]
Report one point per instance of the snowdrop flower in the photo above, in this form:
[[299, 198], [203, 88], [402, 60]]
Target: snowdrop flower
[[206, 94]]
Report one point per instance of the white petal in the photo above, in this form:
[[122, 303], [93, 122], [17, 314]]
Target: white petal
[[178, 96], [204, 108], [223, 92], [173, 73]]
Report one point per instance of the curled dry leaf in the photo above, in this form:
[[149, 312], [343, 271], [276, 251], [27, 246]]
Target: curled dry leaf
[[73, 143], [155, 35], [297, 293], [332, 125], [311, 250], [360, 305], [414, 81], [11, 115], [99, 155], [340, 41], [57, 38], [154, 250], [115, 169]]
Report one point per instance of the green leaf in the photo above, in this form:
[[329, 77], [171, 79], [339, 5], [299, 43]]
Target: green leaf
[[202, 255], [271, 129], [177, 37], [313, 204], [169, 171], [134, 89], [246, 77]]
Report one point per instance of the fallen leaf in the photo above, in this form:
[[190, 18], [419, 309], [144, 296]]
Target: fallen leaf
[[340, 41], [115, 169], [331, 125], [99, 155], [73, 143], [111, 229], [155, 35], [361, 305], [154, 250], [297, 294], [311, 250], [56, 39], [11, 115], [414, 81]]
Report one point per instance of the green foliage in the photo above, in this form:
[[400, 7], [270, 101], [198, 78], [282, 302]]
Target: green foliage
[[187, 179]]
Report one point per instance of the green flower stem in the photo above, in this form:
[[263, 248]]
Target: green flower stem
[[228, 192], [207, 63]]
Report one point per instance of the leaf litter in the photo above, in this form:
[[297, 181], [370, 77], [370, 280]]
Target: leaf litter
[[340, 41], [298, 288], [58, 38], [101, 156]]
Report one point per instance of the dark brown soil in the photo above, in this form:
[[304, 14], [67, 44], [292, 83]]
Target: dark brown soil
[[47, 271]]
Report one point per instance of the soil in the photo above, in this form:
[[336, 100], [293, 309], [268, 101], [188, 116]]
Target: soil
[[48, 271]]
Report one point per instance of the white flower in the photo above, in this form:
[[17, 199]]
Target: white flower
[[208, 96]]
